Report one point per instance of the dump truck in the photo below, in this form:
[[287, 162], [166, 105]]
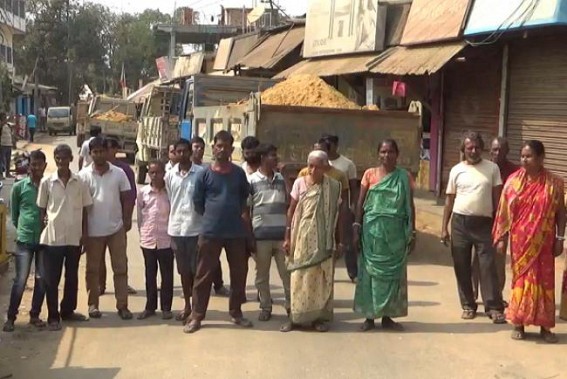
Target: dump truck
[[158, 127], [117, 118], [294, 130], [210, 90], [167, 114]]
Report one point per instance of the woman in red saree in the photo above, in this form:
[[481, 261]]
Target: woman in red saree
[[531, 216]]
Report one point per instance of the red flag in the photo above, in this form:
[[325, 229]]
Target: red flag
[[123, 77]]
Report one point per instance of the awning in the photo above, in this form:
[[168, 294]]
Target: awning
[[341, 65], [231, 50], [421, 60], [272, 49]]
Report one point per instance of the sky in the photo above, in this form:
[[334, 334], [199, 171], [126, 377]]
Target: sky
[[207, 7]]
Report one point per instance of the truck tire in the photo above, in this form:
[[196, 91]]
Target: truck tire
[[142, 172]]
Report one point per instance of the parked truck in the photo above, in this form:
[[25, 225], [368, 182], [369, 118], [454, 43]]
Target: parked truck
[[158, 127], [117, 118], [294, 129], [167, 114]]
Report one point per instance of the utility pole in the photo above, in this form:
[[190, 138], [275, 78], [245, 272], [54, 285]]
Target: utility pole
[[70, 79]]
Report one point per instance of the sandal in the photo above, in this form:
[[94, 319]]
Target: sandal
[[183, 316], [74, 317], [37, 322], [321, 327], [241, 321], [497, 317], [265, 315], [548, 336], [287, 327], [367, 325], [388, 323], [518, 333], [468, 314]]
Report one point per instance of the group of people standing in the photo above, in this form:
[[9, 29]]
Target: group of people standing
[[495, 207], [190, 211]]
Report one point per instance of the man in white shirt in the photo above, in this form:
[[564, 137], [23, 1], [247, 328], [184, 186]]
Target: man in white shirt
[[342, 163], [84, 153], [251, 160], [108, 221], [473, 193]]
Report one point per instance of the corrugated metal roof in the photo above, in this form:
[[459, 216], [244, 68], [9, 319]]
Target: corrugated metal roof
[[396, 19], [272, 49], [435, 20], [330, 66], [421, 60], [233, 49]]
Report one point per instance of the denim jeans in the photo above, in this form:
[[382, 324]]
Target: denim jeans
[[24, 256], [5, 159]]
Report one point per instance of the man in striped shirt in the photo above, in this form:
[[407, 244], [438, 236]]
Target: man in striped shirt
[[268, 205]]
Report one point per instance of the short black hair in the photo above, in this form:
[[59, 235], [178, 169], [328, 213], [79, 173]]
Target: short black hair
[[197, 139], [97, 142], [264, 149], [391, 142], [224, 136], [111, 143], [37, 155], [330, 138], [157, 162], [181, 142], [537, 147], [63, 148], [95, 131], [324, 143], [249, 143]]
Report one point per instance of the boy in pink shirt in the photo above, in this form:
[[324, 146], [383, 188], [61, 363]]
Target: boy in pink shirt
[[153, 216]]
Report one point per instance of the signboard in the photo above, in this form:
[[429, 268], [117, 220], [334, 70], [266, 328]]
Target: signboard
[[336, 27], [164, 68]]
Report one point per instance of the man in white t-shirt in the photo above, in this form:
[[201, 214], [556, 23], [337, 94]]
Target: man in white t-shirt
[[109, 218], [342, 163], [84, 153], [473, 193]]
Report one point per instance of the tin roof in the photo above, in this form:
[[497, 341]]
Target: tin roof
[[330, 66], [273, 48], [231, 50], [435, 20], [422, 60]]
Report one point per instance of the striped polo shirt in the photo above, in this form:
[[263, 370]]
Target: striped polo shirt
[[268, 206]]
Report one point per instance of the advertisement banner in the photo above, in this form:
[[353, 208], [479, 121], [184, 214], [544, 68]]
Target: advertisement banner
[[336, 27]]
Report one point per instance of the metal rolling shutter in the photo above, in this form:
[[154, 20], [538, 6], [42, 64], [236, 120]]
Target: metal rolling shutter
[[472, 102], [537, 105]]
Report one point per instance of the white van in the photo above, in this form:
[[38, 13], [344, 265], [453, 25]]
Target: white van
[[60, 120]]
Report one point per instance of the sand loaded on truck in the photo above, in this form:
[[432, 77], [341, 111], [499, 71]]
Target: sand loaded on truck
[[295, 113]]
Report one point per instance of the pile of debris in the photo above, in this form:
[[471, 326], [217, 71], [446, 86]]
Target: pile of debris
[[306, 91], [113, 116]]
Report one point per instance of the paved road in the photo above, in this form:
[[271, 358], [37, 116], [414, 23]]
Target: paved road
[[436, 343]]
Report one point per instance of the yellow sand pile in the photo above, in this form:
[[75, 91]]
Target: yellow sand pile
[[113, 116], [306, 91]]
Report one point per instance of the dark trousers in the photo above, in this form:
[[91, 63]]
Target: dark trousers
[[164, 259], [32, 133], [24, 256], [350, 253], [5, 159], [207, 264], [55, 258], [217, 280], [468, 232]]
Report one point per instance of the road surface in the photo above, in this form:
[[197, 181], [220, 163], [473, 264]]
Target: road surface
[[436, 343]]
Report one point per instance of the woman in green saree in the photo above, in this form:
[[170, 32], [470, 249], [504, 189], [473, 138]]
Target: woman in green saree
[[310, 245], [384, 233]]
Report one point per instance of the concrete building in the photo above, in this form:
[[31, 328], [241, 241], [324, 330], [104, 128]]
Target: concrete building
[[12, 22]]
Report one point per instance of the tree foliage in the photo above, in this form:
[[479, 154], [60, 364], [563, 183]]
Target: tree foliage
[[88, 43]]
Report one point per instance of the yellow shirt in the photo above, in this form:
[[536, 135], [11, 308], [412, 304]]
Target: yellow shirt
[[334, 173]]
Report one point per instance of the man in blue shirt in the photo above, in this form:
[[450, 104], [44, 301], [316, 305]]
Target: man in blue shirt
[[32, 123], [220, 196]]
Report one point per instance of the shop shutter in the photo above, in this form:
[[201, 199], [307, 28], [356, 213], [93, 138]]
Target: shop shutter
[[537, 106], [472, 103]]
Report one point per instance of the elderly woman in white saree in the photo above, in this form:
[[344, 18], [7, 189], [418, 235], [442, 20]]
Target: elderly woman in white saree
[[310, 244]]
